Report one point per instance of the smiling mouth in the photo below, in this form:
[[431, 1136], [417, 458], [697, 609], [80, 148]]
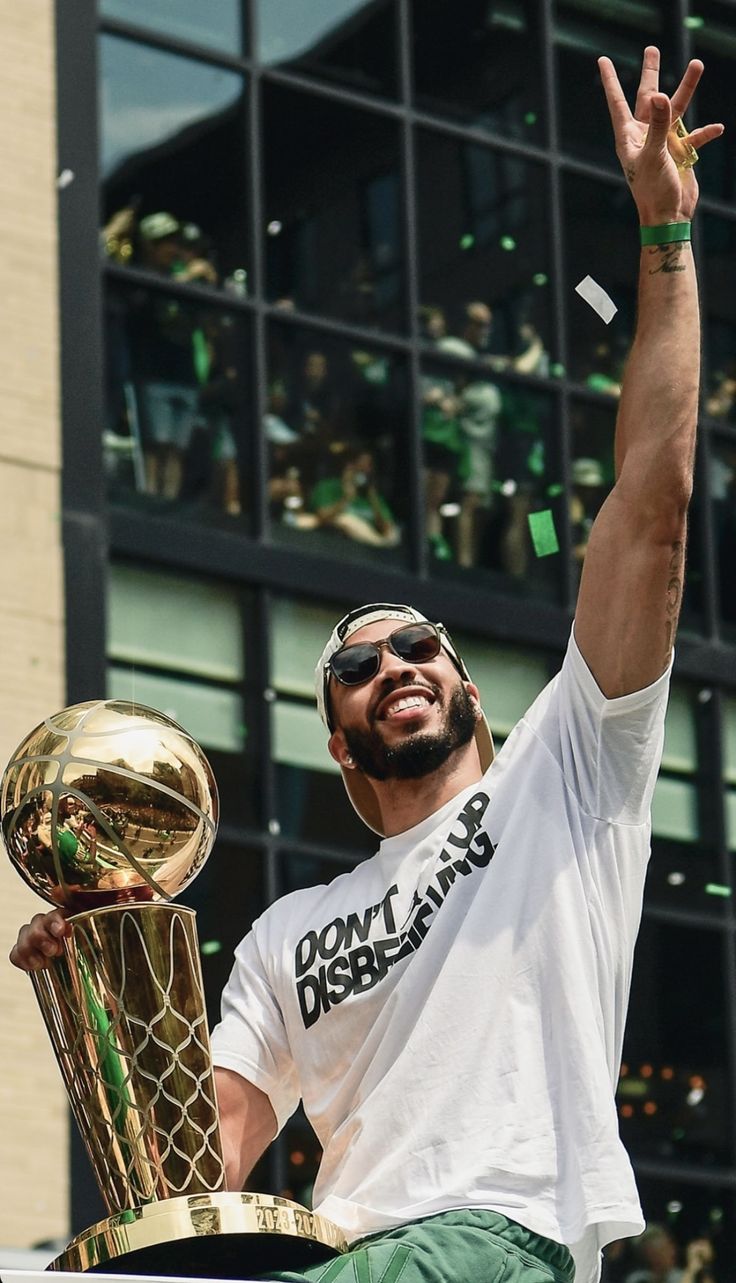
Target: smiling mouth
[[405, 706]]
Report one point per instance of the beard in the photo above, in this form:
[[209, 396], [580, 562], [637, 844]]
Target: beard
[[418, 755]]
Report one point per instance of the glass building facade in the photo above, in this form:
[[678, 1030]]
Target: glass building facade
[[321, 344]]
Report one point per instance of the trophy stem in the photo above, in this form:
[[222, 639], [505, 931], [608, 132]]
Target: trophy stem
[[125, 1011]]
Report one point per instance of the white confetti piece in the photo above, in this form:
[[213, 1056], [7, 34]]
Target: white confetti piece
[[600, 302], [65, 178]]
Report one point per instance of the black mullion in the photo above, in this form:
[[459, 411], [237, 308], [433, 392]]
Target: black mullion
[[167, 42], [556, 233], [261, 469], [414, 455]]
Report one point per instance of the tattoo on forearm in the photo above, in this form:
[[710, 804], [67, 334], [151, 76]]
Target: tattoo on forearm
[[630, 173], [665, 259], [674, 593]]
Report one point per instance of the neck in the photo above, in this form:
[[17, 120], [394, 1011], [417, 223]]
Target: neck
[[405, 803]]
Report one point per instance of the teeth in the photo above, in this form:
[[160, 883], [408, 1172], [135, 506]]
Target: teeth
[[411, 701]]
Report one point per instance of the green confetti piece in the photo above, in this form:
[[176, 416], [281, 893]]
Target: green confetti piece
[[555, 490], [716, 888], [543, 533], [208, 947], [694, 22], [467, 241], [540, 278], [508, 243]]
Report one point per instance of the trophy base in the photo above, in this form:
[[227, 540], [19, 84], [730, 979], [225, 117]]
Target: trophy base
[[215, 1236]]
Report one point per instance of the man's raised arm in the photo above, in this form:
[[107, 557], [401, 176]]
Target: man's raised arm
[[631, 587]]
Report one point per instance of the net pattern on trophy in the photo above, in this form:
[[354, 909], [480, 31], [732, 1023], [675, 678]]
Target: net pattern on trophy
[[108, 802], [128, 1024]]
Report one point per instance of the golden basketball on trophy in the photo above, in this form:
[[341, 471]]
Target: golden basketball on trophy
[[110, 809]]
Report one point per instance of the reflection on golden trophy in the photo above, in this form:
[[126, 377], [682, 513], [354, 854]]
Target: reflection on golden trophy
[[110, 809]]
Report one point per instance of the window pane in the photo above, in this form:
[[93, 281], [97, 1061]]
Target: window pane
[[719, 245], [227, 896], [685, 875], [297, 871], [178, 398], [218, 24], [332, 209], [481, 63], [729, 740], [299, 737], [673, 1093], [493, 501], [165, 634], [675, 810], [212, 717], [508, 679], [314, 806], [485, 220], [336, 428], [173, 164], [582, 31], [349, 42], [713, 41], [680, 746], [723, 499], [165, 621], [299, 633]]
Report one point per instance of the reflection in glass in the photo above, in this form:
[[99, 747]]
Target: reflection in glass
[[480, 63], [485, 221], [490, 476], [350, 42], [332, 209], [690, 1211], [722, 478], [591, 470], [672, 1096], [173, 164], [719, 244], [218, 24], [713, 41], [582, 32], [685, 875], [336, 427], [176, 388]]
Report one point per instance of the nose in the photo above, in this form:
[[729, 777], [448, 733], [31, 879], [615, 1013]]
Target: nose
[[391, 665]]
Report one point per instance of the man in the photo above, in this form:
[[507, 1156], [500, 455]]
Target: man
[[451, 1012]]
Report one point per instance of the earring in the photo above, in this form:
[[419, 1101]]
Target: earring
[[348, 760]]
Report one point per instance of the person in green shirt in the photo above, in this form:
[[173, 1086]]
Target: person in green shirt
[[351, 502]]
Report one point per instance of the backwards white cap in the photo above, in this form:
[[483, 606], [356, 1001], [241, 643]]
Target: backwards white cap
[[360, 791]]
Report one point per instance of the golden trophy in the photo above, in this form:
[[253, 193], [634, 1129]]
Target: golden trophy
[[110, 809]]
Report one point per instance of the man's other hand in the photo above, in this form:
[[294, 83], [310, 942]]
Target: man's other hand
[[40, 940]]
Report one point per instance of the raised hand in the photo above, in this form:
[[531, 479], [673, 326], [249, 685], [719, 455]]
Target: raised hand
[[650, 152]]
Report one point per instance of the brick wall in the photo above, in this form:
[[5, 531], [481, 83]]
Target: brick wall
[[33, 1117]]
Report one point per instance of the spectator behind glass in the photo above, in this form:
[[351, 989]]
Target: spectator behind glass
[[445, 449], [352, 504], [656, 1250], [479, 410], [721, 403], [170, 360], [722, 474], [589, 491]]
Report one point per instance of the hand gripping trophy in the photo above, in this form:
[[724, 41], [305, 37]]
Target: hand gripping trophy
[[110, 809]]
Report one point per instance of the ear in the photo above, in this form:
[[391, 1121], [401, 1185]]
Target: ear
[[474, 694], [338, 749]]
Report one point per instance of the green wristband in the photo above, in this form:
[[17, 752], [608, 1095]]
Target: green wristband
[[665, 233]]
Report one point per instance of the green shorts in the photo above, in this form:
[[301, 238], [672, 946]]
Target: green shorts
[[467, 1246]]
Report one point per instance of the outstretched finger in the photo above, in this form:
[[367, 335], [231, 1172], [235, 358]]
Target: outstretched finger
[[687, 86], [649, 83], [704, 134], [618, 107]]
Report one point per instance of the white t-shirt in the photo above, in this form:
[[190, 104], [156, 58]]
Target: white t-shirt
[[451, 1012]]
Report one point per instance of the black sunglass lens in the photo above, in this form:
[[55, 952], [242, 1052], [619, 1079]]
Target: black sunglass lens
[[355, 664], [418, 643]]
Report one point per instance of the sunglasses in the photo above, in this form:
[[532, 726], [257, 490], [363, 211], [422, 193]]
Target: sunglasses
[[414, 643]]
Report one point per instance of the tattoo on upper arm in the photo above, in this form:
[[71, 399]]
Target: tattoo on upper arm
[[666, 258], [674, 593]]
